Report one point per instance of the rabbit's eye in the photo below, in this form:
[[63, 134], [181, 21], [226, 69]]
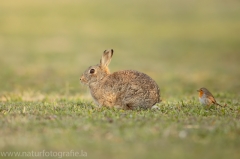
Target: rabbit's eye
[[92, 71]]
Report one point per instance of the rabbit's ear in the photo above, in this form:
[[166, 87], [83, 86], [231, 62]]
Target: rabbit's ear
[[106, 57]]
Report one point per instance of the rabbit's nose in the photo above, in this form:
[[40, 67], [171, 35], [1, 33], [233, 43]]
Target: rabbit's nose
[[82, 78]]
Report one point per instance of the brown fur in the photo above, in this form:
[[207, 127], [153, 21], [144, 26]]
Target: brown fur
[[127, 89]]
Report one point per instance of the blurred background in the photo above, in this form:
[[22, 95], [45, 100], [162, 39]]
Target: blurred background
[[183, 45]]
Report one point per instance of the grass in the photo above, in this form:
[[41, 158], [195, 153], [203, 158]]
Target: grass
[[183, 45], [180, 129]]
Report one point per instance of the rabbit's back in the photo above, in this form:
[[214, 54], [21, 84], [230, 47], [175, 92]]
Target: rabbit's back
[[130, 89]]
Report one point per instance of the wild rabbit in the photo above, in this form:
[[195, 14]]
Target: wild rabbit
[[127, 89]]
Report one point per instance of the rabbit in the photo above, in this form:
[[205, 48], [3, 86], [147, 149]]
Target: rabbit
[[126, 89]]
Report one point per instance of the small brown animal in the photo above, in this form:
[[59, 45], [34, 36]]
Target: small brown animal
[[206, 97], [127, 89]]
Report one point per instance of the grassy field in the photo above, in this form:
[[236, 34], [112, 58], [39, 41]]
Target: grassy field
[[183, 45]]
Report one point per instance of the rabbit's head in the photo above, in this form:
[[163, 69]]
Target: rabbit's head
[[97, 72]]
